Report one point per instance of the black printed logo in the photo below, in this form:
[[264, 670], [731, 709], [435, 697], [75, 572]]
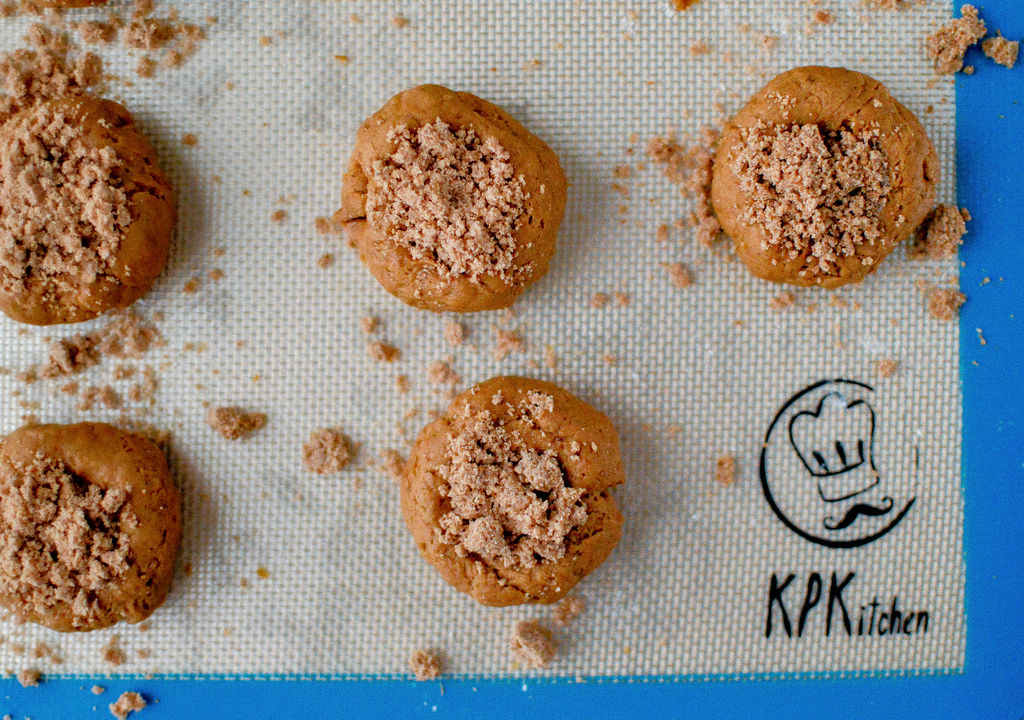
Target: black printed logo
[[819, 471]]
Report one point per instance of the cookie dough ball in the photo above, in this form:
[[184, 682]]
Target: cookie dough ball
[[820, 176], [87, 214], [452, 204], [90, 523], [507, 494]]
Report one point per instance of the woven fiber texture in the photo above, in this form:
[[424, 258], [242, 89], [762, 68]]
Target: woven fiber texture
[[284, 572]]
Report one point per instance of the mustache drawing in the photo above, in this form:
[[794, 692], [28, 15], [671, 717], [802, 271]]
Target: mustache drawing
[[855, 512]]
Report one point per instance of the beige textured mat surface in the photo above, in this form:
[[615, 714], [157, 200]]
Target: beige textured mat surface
[[698, 373]]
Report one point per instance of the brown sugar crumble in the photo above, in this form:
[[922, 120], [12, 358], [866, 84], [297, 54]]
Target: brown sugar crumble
[[886, 367], [689, 167], [129, 702], [510, 505], [112, 652], [451, 199], [233, 423], [326, 452], [816, 193], [29, 677], [725, 470], [382, 352], [944, 303], [532, 644], [454, 333], [426, 665], [940, 234], [63, 539], [679, 275], [506, 342], [568, 610], [441, 373], [125, 336], [1001, 50], [949, 43], [65, 213]]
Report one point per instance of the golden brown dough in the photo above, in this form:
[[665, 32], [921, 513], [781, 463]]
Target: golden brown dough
[[442, 268], [850, 230], [90, 524], [88, 214], [507, 494]]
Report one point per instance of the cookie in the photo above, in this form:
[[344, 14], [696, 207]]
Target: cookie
[[88, 214], [820, 176], [507, 494], [90, 524], [451, 203]]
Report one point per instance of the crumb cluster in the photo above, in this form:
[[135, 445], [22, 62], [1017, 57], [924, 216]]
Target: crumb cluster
[[949, 43], [689, 167], [532, 644], [62, 539], [65, 212], [327, 451], [426, 665], [125, 336], [940, 234], [129, 702], [234, 423], [1001, 50], [510, 505], [944, 303], [818, 194], [451, 199]]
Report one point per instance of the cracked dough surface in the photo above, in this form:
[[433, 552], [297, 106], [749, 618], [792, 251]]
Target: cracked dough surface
[[832, 98], [596, 467], [417, 282], [108, 457]]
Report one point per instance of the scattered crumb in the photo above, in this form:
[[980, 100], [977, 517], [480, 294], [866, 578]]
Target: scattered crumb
[[683, 4], [265, 41], [112, 652], [189, 139], [391, 462], [441, 373], [368, 324], [948, 44], [886, 367], [29, 677], [661, 234], [944, 303], [568, 610], [192, 285], [454, 333], [326, 226], [940, 234], [690, 169], [621, 299], [325, 260], [216, 274], [725, 470], [400, 21], [823, 17], [532, 644], [505, 343], [126, 336], [97, 690], [234, 423], [679, 275], [426, 664], [129, 702], [382, 352], [1001, 50], [550, 358], [326, 452], [402, 384], [278, 216], [598, 300], [783, 300]]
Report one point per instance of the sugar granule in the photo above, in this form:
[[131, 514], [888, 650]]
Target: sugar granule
[[129, 702], [233, 423], [426, 665], [532, 644], [326, 452], [451, 199], [949, 43]]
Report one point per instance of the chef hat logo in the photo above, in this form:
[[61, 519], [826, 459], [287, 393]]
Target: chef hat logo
[[835, 443]]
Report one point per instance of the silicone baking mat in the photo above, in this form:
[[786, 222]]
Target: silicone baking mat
[[284, 573]]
